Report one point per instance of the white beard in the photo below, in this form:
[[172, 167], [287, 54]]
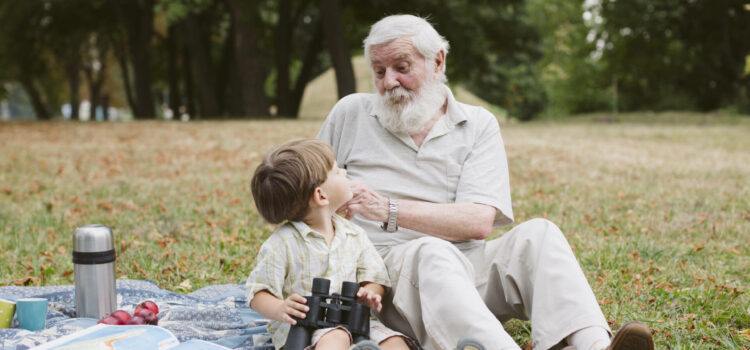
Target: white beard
[[414, 111]]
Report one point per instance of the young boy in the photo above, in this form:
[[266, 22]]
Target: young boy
[[300, 184]]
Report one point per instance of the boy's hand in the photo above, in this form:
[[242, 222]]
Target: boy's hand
[[295, 306], [369, 298]]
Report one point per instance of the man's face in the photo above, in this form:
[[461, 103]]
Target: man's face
[[410, 89], [398, 64]]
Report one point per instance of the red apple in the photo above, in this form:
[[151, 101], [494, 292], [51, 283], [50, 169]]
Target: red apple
[[136, 320], [121, 315], [111, 320], [148, 316], [148, 304]]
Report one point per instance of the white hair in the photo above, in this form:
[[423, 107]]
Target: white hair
[[423, 36]]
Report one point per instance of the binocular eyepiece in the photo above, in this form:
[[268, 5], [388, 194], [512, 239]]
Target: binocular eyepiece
[[328, 311]]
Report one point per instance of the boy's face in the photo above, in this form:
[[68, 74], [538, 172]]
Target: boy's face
[[336, 187]]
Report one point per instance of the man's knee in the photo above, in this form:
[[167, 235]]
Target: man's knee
[[525, 243], [430, 248], [436, 258], [539, 230]]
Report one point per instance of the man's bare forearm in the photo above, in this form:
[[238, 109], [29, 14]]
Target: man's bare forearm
[[451, 221]]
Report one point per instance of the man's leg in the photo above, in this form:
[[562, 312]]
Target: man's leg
[[531, 273], [433, 297]]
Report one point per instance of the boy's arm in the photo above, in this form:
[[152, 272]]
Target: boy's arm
[[371, 294], [276, 309]]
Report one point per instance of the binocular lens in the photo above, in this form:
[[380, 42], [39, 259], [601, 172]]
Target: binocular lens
[[320, 286], [349, 289]]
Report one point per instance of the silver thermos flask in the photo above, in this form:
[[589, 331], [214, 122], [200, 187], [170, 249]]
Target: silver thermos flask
[[94, 266]]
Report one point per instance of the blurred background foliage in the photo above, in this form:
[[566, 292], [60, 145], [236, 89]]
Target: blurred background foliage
[[254, 58]]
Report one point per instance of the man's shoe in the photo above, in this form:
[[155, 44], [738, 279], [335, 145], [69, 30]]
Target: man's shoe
[[633, 336], [469, 344]]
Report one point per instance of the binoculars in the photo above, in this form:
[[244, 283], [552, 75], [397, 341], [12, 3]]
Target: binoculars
[[328, 311]]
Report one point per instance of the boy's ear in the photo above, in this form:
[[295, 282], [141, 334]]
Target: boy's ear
[[319, 197]]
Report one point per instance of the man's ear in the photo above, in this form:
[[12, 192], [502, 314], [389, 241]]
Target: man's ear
[[440, 62], [319, 197]]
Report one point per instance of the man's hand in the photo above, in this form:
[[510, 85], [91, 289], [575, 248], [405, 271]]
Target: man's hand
[[295, 306], [371, 296], [366, 203]]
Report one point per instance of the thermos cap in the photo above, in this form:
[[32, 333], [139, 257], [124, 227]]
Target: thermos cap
[[93, 238]]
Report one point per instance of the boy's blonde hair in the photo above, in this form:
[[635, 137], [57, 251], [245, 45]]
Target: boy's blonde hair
[[287, 177]]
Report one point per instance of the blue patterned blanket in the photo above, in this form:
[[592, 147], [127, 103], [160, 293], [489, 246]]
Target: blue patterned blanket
[[218, 314]]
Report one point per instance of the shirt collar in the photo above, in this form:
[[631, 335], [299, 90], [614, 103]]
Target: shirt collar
[[340, 224], [456, 114]]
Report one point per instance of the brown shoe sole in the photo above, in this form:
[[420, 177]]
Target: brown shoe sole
[[633, 336]]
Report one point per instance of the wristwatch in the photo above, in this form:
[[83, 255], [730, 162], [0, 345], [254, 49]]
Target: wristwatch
[[390, 225]]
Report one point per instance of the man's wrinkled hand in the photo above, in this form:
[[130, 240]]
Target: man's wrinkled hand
[[366, 203]]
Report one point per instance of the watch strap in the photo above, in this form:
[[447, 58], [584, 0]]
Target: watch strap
[[391, 225]]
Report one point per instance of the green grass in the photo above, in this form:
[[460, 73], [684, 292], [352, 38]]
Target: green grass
[[658, 213]]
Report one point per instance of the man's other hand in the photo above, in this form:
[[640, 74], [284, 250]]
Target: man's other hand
[[366, 203]]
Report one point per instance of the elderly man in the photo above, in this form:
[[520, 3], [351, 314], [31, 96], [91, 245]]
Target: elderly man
[[431, 183]]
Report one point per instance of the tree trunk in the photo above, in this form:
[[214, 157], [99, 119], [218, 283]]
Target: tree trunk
[[95, 88], [247, 57], [309, 65], [227, 83], [137, 17], [73, 71], [337, 46], [174, 83], [96, 78], [105, 106], [37, 102], [231, 79], [284, 105], [189, 83], [197, 42], [121, 53]]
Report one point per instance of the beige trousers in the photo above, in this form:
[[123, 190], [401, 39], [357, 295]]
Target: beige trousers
[[442, 292]]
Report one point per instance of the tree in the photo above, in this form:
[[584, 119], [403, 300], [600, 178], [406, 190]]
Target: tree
[[574, 81], [246, 24], [137, 19], [298, 22], [674, 54], [338, 48], [26, 56]]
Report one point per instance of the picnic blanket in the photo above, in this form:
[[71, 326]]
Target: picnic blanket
[[218, 314]]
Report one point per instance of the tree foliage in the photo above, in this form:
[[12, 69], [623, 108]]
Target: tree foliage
[[252, 58], [573, 80], [675, 54]]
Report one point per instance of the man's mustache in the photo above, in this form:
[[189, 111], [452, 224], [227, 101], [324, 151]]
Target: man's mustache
[[398, 94]]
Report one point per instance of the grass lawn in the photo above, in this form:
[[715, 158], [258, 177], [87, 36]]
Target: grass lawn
[[657, 213]]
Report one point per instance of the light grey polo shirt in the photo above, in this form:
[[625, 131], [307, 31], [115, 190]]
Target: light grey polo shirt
[[461, 160]]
